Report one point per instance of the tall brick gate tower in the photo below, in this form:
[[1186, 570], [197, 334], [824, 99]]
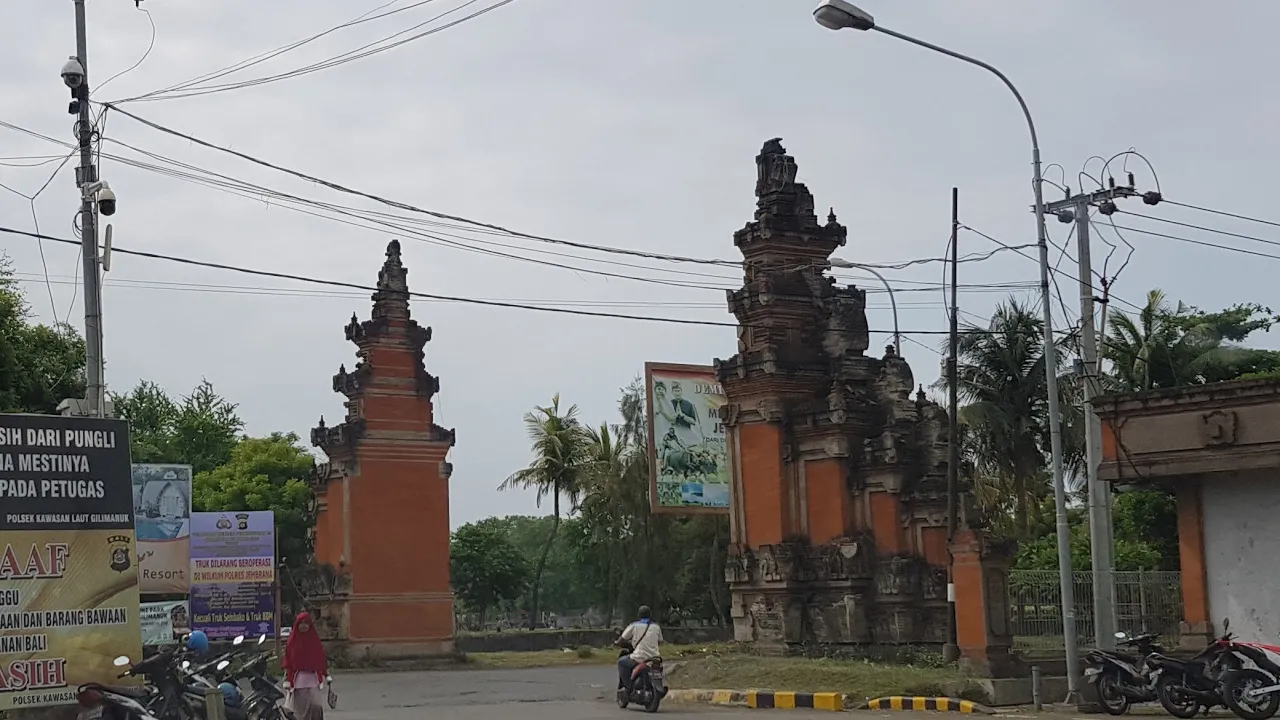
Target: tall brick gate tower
[[382, 525], [839, 496]]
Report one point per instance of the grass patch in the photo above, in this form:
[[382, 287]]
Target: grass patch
[[542, 658], [860, 679]]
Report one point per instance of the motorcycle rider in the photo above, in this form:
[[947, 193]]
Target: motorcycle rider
[[643, 637]]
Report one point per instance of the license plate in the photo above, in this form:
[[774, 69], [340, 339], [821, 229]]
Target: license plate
[[1090, 672], [93, 713]]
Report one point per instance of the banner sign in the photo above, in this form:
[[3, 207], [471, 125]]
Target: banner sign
[[68, 580], [162, 516], [233, 573], [164, 623], [688, 460]]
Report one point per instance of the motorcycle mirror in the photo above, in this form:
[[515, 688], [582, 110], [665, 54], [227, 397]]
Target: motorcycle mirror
[[1121, 635], [186, 664], [239, 639], [262, 638], [1226, 624], [223, 665], [121, 661]]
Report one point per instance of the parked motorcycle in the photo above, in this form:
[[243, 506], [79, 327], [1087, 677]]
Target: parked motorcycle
[[1120, 679], [1187, 687], [1253, 693], [648, 684]]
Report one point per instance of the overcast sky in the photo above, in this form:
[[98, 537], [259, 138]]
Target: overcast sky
[[626, 124]]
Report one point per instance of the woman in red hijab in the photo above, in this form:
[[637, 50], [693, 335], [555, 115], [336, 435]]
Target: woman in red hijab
[[306, 670]]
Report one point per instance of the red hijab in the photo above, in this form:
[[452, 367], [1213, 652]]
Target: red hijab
[[304, 652]]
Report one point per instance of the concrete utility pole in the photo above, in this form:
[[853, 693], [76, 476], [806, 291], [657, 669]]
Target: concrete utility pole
[[951, 651], [87, 181], [1075, 208]]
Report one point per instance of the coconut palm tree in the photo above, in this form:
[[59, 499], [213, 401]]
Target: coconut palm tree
[[1004, 415], [561, 465]]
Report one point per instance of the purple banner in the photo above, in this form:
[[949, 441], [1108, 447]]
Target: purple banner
[[226, 610], [233, 573], [233, 534]]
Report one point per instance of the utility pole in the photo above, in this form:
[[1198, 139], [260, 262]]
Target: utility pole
[[87, 181], [952, 649], [1075, 208]]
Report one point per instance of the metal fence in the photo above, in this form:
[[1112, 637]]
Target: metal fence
[[1146, 601]]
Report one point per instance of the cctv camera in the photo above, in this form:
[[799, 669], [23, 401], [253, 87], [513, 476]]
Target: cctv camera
[[73, 73], [106, 200]]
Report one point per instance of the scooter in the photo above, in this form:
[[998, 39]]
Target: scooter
[[1253, 693], [1187, 687], [648, 684], [1121, 680]]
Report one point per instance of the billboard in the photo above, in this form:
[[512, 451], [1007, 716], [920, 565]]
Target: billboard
[[163, 623], [162, 517], [233, 562], [68, 580], [688, 460]]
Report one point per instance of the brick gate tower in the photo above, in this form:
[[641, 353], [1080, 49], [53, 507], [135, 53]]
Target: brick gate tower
[[839, 500], [382, 500]]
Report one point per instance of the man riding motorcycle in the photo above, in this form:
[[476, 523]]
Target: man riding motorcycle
[[643, 637]]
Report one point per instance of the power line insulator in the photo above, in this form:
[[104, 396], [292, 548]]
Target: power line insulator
[[1107, 208], [1152, 197]]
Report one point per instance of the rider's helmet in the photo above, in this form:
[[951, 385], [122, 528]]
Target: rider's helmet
[[230, 694], [198, 641]]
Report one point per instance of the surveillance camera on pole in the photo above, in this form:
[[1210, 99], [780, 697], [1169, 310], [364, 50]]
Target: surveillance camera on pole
[[102, 195], [73, 78]]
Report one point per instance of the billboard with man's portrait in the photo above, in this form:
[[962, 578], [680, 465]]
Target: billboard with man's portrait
[[688, 457]]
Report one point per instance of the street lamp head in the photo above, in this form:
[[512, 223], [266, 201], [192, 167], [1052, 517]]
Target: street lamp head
[[841, 15], [837, 262]]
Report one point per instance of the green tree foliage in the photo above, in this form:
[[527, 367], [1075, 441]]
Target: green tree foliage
[[613, 554], [1004, 419], [40, 366], [201, 429], [269, 473], [487, 569], [559, 469], [1167, 345]]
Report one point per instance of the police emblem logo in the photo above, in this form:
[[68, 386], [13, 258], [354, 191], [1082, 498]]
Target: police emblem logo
[[121, 553], [242, 521], [224, 523]]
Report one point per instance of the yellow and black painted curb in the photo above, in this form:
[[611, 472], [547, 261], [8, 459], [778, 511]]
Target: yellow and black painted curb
[[762, 699], [943, 704]]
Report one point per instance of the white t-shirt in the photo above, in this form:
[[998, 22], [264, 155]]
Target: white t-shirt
[[644, 636]]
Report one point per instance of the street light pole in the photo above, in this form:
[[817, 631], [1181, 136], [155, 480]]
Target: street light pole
[[893, 303], [840, 14]]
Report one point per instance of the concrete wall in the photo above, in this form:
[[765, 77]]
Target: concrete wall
[[523, 641], [1241, 516]]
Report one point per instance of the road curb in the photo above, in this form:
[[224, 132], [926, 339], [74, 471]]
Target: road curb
[[917, 702], [762, 699]]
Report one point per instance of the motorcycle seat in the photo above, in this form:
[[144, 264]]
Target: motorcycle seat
[[133, 691]]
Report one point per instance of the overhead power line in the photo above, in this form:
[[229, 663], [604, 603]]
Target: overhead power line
[[1201, 228], [427, 296], [1224, 213], [188, 90], [1204, 243]]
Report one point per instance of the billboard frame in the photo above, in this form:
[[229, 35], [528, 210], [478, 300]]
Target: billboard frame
[[652, 451]]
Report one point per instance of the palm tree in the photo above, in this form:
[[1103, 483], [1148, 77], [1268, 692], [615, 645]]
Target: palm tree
[[1163, 345], [560, 467], [1004, 418]]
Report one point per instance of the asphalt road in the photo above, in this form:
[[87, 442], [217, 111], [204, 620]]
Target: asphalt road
[[567, 693]]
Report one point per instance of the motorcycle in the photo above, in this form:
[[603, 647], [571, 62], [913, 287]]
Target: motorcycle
[[1186, 687], [648, 684], [123, 702], [1121, 680], [1253, 693]]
